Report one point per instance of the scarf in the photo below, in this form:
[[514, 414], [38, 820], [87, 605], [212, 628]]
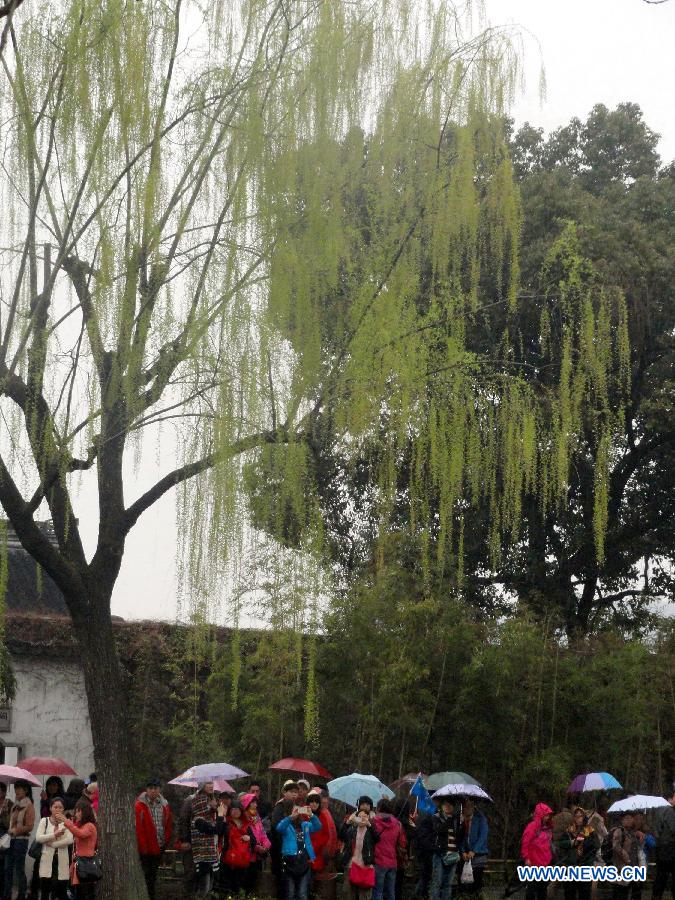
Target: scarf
[[204, 846], [357, 856]]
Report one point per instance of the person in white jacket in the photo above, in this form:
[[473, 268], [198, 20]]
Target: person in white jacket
[[55, 859]]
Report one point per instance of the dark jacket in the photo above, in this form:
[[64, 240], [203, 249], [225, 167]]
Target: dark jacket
[[348, 836], [568, 850], [185, 820], [432, 833], [664, 832]]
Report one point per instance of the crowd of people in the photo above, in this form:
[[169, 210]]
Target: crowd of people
[[63, 850], [227, 840]]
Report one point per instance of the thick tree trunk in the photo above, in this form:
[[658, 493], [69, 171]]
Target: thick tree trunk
[[122, 878]]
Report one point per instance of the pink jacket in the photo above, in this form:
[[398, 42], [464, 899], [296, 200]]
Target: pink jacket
[[535, 847], [262, 842], [391, 834]]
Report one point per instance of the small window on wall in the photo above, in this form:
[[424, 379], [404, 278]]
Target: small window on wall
[[9, 754]]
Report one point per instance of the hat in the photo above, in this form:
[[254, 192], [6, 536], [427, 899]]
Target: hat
[[314, 794], [153, 782], [364, 799], [304, 782], [247, 799], [289, 785]]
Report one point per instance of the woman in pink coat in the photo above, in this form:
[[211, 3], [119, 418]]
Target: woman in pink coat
[[535, 848], [262, 845]]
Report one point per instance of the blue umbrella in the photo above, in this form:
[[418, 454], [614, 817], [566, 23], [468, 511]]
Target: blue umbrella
[[209, 771], [348, 788]]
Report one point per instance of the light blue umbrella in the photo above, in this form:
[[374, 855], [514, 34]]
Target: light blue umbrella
[[348, 788]]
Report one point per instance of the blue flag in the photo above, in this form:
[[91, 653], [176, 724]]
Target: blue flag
[[424, 802]]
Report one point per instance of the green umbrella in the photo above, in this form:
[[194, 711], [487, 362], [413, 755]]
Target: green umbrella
[[439, 779]]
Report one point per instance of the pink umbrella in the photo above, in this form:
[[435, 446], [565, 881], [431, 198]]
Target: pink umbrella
[[12, 774], [219, 784], [47, 765]]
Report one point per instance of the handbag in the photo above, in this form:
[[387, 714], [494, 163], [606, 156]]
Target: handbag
[[362, 876], [88, 868], [35, 849], [5, 841], [467, 873], [451, 858]]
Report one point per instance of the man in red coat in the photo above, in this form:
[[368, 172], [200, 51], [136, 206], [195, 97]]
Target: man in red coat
[[154, 824]]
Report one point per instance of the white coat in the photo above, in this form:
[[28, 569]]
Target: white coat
[[46, 828]]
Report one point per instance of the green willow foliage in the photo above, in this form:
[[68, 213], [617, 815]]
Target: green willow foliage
[[251, 213]]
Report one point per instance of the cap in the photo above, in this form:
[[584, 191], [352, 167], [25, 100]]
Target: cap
[[288, 785], [304, 782]]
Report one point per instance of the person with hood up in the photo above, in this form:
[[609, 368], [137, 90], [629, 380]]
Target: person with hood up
[[360, 837], [261, 848], [578, 846], [238, 850], [536, 848], [154, 827], [297, 852], [392, 841]]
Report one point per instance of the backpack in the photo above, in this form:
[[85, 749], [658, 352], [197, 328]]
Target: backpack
[[607, 848]]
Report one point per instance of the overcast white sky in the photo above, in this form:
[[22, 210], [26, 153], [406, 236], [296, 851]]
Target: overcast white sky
[[594, 51]]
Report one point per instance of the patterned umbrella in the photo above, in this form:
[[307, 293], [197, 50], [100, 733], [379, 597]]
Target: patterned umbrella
[[593, 781], [463, 790]]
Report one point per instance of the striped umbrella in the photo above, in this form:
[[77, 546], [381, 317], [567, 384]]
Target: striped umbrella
[[593, 781]]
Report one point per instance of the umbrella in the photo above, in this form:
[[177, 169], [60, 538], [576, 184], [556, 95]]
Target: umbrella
[[349, 788], [303, 766], [463, 790], [12, 774], [406, 780], [47, 765], [219, 784], [593, 781], [209, 772], [440, 779], [637, 802]]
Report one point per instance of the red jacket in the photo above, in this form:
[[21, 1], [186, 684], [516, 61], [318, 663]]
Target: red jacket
[[535, 846], [146, 833], [237, 853], [391, 836]]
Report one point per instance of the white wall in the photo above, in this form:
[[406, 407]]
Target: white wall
[[49, 714]]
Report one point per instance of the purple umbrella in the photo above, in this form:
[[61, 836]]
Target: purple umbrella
[[593, 781], [209, 772]]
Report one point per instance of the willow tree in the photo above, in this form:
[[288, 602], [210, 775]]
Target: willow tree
[[221, 219]]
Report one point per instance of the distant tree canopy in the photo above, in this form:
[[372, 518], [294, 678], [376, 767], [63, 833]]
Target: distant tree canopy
[[562, 447]]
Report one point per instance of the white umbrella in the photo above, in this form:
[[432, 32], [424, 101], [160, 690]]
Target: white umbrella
[[637, 802], [462, 790]]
